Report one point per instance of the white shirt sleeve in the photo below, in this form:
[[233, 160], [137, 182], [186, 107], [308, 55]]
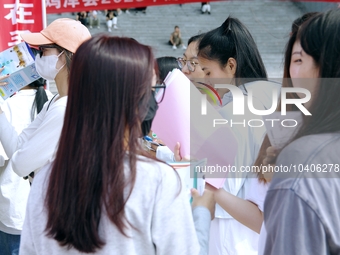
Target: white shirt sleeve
[[164, 153], [37, 143], [202, 221], [256, 192]]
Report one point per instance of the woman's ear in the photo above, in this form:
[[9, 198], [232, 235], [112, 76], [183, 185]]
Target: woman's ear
[[231, 65]]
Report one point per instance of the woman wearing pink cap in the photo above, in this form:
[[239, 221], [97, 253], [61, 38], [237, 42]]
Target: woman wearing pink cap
[[36, 145]]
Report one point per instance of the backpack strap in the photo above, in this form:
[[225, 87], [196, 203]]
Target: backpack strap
[[32, 173], [51, 101]]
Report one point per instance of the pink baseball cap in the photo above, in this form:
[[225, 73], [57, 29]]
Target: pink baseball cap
[[67, 33]]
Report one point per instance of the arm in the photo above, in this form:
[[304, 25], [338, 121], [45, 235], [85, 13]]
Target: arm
[[241, 210], [41, 141], [292, 226], [172, 227], [10, 139], [164, 153], [202, 221], [203, 212]]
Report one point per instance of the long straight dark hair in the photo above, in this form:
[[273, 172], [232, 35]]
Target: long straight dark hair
[[110, 87], [316, 29], [320, 38], [286, 82]]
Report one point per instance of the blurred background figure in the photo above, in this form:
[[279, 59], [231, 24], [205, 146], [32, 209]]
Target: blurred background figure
[[141, 9], [111, 20], [205, 7], [176, 39], [94, 19], [82, 17]]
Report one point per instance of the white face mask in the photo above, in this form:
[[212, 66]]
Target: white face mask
[[46, 66]]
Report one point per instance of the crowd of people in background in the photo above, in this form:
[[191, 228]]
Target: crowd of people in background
[[96, 188], [92, 19]]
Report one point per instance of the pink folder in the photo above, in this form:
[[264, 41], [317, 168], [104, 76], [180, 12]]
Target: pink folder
[[179, 119], [172, 120]]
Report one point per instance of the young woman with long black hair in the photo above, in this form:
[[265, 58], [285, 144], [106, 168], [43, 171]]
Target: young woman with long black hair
[[103, 193]]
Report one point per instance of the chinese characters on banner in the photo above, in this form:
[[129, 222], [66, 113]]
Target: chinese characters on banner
[[59, 6], [17, 17]]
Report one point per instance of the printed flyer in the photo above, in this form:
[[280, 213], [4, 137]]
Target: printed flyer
[[19, 64]]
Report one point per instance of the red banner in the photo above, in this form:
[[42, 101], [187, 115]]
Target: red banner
[[59, 6], [17, 17]]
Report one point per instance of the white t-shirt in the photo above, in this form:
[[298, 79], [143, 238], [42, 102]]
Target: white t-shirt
[[257, 193], [155, 207], [249, 142], [262, 239], [249, 139]]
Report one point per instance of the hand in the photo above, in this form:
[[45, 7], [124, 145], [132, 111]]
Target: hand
[[271, 156], [3, 77], [210, 187], [270, 159], [177, 153], [157, 140], [207, 200]]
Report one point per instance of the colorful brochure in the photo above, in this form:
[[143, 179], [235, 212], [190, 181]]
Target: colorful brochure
[[19, 63]]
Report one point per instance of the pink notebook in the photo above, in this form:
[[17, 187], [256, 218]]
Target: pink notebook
[[179, 119]]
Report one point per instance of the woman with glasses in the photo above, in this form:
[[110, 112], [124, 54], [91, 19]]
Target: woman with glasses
[[191, 68], [103, 193], [189, 62], [36, 145], [229, 55]]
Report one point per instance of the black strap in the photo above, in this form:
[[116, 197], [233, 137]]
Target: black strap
[[51, 101], [32, 173]]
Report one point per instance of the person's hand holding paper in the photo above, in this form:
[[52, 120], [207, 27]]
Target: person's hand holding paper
[[3, 77]]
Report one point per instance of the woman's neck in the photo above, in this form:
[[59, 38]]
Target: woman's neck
[[61, 82], [221, 92]]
